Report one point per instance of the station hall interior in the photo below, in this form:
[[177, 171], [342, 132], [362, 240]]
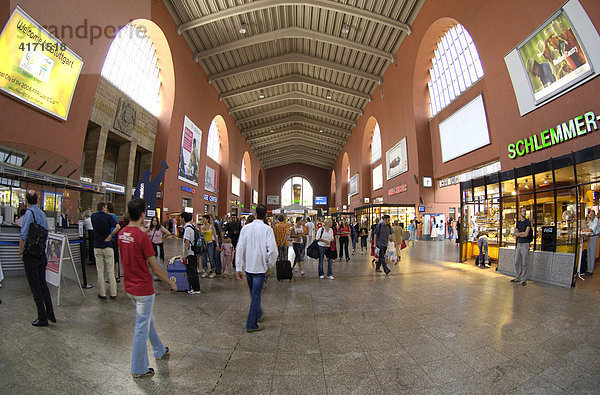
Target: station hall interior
[[451, 117]]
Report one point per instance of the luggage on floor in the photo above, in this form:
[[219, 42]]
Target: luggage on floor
[[176, 271], [477, 260], [284, 270], [584, 265]]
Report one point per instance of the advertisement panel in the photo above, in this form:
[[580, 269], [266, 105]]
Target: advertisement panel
[[36, 67], [53, 255], [235, 185], [396, 160], [321, 200], [191, 138], [254, 196], [353, 187], [272, 199], [210, 179], [377, 177]]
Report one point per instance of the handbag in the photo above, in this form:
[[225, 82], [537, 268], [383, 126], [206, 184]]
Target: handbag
[[313, 250], [329, 253], [403, 245]]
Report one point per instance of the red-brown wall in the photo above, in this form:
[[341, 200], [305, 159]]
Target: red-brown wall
[[319, 179]]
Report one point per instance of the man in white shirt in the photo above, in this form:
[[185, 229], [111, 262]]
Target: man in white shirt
[[256, 252], [592, 247], [311, 231]]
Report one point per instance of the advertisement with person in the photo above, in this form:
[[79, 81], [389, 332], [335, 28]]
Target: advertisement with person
[[396, 160], [53, 255], [189, 159], [36, 67], [210, 179], [554, 57]]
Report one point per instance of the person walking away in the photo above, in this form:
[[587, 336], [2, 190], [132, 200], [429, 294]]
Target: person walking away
[[412, 230], [157, 233], [524, 235], [397, 234], [103, 249], [382, 233], [364, 235], [188, 257], [137, 254], [113, 242], [354, 236], [344, 232], [256, 254], [310, 234], [592, 247], [282, 233], [297, 234], [457, 231], [208, 256], [218, 241], [32, 250], [228, 251], [372, 238], [232, 228], [450, 229], [482, 243], [325, 238]]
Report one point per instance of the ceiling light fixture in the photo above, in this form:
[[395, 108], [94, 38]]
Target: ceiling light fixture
[[261, 94], [320, 130], [345, 28], [243, 28], [329, 95]]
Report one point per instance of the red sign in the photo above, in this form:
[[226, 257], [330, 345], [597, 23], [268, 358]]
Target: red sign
[[398, 189]]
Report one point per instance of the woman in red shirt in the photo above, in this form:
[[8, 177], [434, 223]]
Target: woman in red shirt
[[344, 233]]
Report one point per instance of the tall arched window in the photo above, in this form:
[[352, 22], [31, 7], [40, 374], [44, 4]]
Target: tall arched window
[[376, 144], [131, 65], [244, 169], [455, 67], [297, 190], [213, 144]]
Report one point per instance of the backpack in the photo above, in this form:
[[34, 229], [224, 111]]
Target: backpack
[[199, 246], [35, 244]]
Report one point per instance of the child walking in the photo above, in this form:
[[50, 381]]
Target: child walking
[[228, 251]]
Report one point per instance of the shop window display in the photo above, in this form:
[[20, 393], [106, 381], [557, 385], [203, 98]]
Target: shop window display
[[566, 212]]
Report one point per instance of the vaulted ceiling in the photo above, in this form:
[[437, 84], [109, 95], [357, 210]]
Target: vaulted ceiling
[[295, 74]]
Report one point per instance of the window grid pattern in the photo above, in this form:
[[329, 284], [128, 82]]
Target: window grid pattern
[[376, 144], [213, 145], [306, 192], [455, 67], [15, 160], [131, 65]]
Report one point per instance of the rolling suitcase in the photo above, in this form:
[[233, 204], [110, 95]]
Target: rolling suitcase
[[284, 270], [176, 271]]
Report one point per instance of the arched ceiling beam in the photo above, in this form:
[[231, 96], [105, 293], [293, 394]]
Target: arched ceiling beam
[[264, 4], [295, 79], [295, 95], [294, 58], [296, 108], [292, 119], [293, 140], [293, 32], [299, 130], [299, 152], [274, 165], [301, 158]]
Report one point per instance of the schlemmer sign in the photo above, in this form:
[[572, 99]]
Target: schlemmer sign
[[578, 126]]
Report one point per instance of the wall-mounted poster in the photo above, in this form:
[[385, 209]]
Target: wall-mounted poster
[[396, 160], [36, 67], [210, 179], [378, 177], [555, 58], [189, 158], [254, 196], [353, 187], [235, 185], [273, 199]]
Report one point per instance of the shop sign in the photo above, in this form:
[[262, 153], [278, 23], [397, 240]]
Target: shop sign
[[150, 213], [235, 202], [378, 200], [573, 128], [421, 209], [321, 200], [212, 199], [165, 209], [188, 189], [366, 200], [112, 187], [188, 209], [449, 181], [427, 182], [491, 168], [86, 179], [397, 189]]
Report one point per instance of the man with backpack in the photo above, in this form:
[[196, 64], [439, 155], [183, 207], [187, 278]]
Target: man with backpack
[[32, 248], [188, 257]]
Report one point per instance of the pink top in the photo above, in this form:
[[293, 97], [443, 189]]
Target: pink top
[[227, 249], [156, 236]]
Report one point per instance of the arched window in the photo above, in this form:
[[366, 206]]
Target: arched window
[[213, 145], [455, 67], [376, 144], [348, 175], [244, 169], [131, 65], [297, 190]]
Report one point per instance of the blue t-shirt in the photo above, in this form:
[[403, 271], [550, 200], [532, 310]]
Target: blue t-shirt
[[102, 223], [33, 213]]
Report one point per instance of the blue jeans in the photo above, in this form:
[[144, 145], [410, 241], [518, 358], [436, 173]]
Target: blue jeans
[[144, 330], [219, 266], [381, 261], [209, 256], [329, 262], [255, 283], [297, 252], [483, 246]]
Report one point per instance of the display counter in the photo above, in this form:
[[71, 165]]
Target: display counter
[[9, 248], [554, 268]]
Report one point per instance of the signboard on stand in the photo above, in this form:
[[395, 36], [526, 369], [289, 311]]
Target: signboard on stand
[[61, 264]]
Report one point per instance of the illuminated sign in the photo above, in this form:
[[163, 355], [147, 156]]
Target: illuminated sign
[[188, 189], [427, 182], [397, 189], [36, 67], [210, 198], [578, 126], [378, 200], [321, 200], [366, 200], [188, 209], [86, 179], [421, 209], [112, 187]]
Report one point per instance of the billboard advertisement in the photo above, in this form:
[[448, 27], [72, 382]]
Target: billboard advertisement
[[396, 160], [189, 159], [210, 179], [36, 67]]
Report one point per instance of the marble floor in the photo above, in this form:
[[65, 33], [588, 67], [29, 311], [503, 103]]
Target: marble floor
[[432, 326]]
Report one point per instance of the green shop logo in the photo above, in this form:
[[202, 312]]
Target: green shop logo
[[571, 129]]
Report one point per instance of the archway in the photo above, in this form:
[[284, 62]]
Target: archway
[[366, 185], [297, 190], [222, 180], [332, 190], [345, 179], [261, 198], [246, 178]]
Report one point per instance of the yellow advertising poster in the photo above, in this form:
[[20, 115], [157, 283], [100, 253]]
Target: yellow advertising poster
[[36, 67]]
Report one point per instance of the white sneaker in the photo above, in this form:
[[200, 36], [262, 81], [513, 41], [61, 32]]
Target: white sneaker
[[487, 265], [191, 292], [204, 275], [331, 277], [212, 275], [295, 269], [321, 277], [302, 273]]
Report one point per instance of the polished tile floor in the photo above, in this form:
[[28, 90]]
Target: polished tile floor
[[432, 326]]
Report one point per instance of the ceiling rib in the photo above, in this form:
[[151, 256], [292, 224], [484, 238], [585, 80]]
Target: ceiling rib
[[296, 108], [293, 119], [294, 58], [295, 79], [295, 138], [299, 130], [295, 95], [294, 32], [264, 4]]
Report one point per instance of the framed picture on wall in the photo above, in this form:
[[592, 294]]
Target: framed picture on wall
[[396, 160], [353, 185], [210, 179]]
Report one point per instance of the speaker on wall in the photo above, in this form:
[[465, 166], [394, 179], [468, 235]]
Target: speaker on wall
[[416, 179]]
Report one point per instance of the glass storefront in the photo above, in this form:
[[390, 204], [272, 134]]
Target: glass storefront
[[403, 213], [558, 192]]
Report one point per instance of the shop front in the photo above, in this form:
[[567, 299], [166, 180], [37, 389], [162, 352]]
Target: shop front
[[557, 195], [402, 213]]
